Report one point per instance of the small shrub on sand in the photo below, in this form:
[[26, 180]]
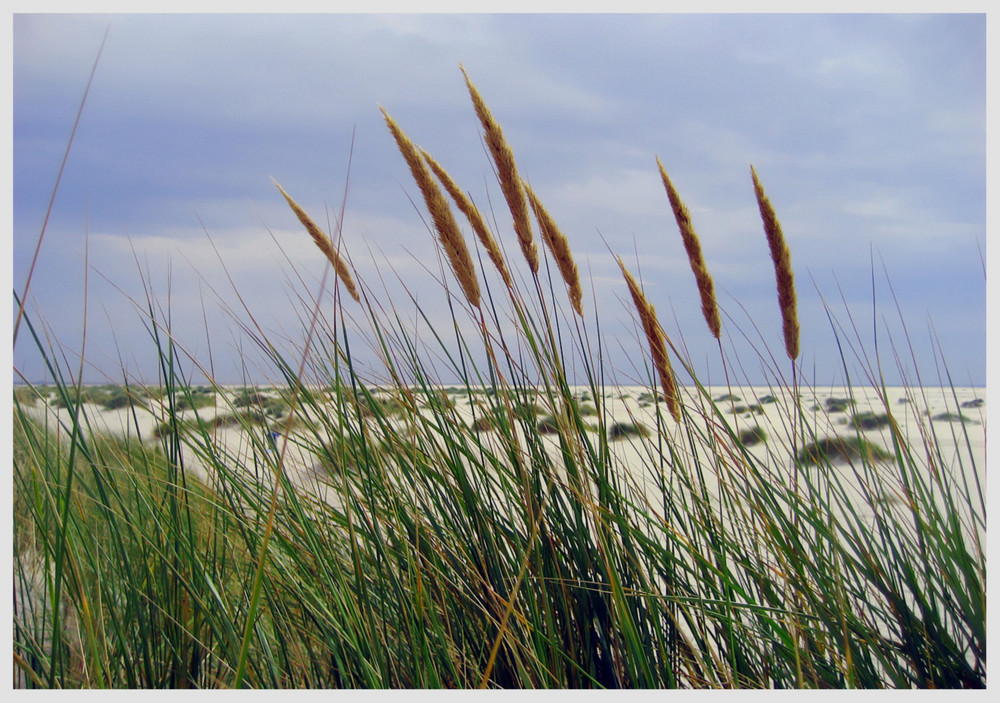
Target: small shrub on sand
[[838, 405], [249, 397], [841, 449], [195, 401], [953, 417], [622, 430], [752, 436], [870, 421]]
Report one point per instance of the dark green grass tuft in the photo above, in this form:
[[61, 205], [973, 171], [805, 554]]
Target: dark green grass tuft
[[870, 421], [623, 430], [842, 449], [752, 436]]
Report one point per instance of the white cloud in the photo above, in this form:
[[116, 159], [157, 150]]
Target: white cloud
[[865, 130]]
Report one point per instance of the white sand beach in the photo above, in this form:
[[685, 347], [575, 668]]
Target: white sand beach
[[928, 417]]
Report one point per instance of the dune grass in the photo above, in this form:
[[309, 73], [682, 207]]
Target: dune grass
[[412, 547]]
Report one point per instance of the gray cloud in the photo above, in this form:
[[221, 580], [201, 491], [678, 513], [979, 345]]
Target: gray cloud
[[868, 132]]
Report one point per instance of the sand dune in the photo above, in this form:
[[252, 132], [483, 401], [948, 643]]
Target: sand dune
[[929, 414]]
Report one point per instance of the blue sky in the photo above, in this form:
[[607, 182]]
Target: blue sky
[[868, 133]]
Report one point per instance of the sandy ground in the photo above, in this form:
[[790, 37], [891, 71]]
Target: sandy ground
[[914, 409]]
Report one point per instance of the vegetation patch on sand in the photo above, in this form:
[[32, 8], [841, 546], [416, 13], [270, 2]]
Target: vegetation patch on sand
[[838, 449], [870, 421], [752, 436], [954, 417], [624, 430], [838, 405]]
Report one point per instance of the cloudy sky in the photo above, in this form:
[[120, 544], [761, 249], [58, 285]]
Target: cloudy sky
[[868, 133]]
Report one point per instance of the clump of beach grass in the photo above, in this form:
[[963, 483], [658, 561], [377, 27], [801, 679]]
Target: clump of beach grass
[[378, 538], [623, 430], [752, 436], [842, 449], [953, 417], [870, 421], [838, 405]]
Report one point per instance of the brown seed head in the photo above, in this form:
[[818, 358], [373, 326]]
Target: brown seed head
[[657, 348], [556, 241], [510, 182], [325, 245], [706, 288], [782, 259], [475, 218], [444, 222]]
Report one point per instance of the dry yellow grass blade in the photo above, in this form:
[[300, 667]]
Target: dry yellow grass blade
[[556, 241], [447, 228], [475, 218], [782, 259], [510, 181], [324, 244], [654, 335], [706, 289]]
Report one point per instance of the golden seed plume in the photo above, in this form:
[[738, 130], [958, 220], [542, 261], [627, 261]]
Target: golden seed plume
[[475, 218], [444, 222], [782, 259], [510, 182], [706, 288], [556, 241], [324, 244], [654, 334]]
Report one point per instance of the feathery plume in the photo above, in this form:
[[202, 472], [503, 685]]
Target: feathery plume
[[324, 244], [510, 182], [706, 289], [654, 334], [782, 259], [556, 241], [444, 222], [475, 218]]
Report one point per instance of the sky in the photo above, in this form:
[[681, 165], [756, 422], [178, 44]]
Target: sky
[[868, 132]]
